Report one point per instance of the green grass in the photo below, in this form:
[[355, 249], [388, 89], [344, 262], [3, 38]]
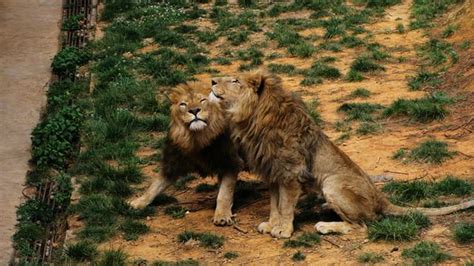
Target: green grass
[[284, 35], [351, 41], [406, 192], [464, 233], [398, 228], [238, 37], [366, 128], [423, 110], [298, 256], [425, 253], [360, 111], [230, 255], [163, 199], [207, 37], [370, 257], [334, 27], [305, 240], [81, 251], [400, 28], [360, 93], [207, 240], [113, 258], [431, 151], [424, 79], [283, 69], [449, 31], [176, 212], [424, 11], [313, 112], [133, 229], [365, 64], [187, 262], [354, 76], [437, 52], [303, 50], [322, 70]]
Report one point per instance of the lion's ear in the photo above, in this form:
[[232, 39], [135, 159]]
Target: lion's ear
[[176, 93], [257, 81]]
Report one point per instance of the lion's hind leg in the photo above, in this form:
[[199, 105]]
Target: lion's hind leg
[[225, 199]]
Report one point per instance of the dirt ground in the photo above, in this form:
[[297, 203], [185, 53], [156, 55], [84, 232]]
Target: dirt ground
[[28, 41], [372, 152]]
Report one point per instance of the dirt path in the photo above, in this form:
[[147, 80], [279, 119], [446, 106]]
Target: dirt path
[[28, 41]]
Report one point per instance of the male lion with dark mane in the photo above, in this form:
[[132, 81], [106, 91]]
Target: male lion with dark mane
[[198, 141], [281, 143]]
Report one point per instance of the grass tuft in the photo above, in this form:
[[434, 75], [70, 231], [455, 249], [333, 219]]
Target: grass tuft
[[365, 64], [305, 240], [81, 251], [464, 233], [424, 79], [176, 212], [370, 257], [133, 229], [368, 128], [431, 151], [398, 228], [360, 111], [298, 256], [425, 253], [230, 255], [207, 240], [114, 257], [360, 93]]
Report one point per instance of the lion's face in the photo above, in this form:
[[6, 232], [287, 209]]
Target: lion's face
[[195, 121], [237, 94]]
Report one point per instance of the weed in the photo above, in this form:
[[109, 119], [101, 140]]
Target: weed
[[360, 111], [26, 233], [254, 55], [66, 62], [276, 10], [97, 233], [132, 229], [308, 81], [206, 239], [343, 137], [376, 53], [331, 46], [365, 64], [342, 126], [400, 28], [322, 70], [73, 23], [334, 27], [436, 52], [238, 37], [449, 31], [425, 253], [176, 212], [464, 233], [247, 3], [285, 36], [302, 50], [370, 257], [230, 255], [313, 112], [220, 3], [113, 257], [207, 36], [360, 93], [203, 188], [423, 79], [305, 240], [81, 251], [425, 11], [434, 204], [351, 41], [298, 256], [431, 151], [368, 128], [402, 192], [398, 228], [354, 75], [422, 110], [465, 45], [453, 186], [283, 69], [188, 262]]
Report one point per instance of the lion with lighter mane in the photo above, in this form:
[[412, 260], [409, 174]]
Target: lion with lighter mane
[[198, 141], [281, 143]]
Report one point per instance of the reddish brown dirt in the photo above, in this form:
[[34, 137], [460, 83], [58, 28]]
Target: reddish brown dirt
[[373, 153]]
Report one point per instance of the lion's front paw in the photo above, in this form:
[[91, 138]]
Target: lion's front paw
[[282, 231], [139, 203], [223, 218], [265, 227]]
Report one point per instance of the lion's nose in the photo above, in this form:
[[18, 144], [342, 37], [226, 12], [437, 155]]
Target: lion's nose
[[194, 111], [213, 82]]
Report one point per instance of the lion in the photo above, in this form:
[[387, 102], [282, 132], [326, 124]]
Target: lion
[[198, 141], [281, 143]]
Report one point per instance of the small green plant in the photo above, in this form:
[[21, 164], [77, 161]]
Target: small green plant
[[305, 240], [247, 3], [298, 256], [431, 151], [464, 233], [436, 52], [422, 110], [282, 69], [177, 212], [133, 229], [351, 41], [368, 128], [400, 28], [81, 251], [365, 64], [238, 37], [370, 257], [449, 30], [425, 11], [424, 79], [453, 186], [465, 45], [207, 36], [66, 62], [360, 93], [303, 50], [188, 262], [206, 239], [73, 23], [114, 257], [313, 112], [425, 253], [403, 192], [434, 204], [322, 70], [334, 27], [230, 255], [360, 111], [398, 228], [308, 81]]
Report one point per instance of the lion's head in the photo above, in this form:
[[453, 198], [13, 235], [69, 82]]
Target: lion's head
[[195, 121], [239, 95]]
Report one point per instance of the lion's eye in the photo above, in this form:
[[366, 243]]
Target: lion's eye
[[234, 81], [203, 100], [182, 105]]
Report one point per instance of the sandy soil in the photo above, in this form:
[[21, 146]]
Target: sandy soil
[[28, 40], [373, 153]]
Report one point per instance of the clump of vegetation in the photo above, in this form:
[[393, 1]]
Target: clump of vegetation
[[436, 52], [133, 229], [370, 257], [360, 111], [66, 62], [177, 212], [449, 31], [114, 257], [230, 255], [424, 110], [400, 28], [425, 253], [368, 128], [322, 70], [313, 112], [283, 69], [207, 36], [424, 79], [365, 64], [81, 251], [398, 228], [207, 240], [73, 23], [305, 240], [253, 54], [425, 11], [354, 76], [464, 233], [360, 93], [298, 256], [431, 151], [188, 262], [303, 50], [163, 199], [238, 37]]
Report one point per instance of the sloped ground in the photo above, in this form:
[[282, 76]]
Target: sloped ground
[[373, 152], [28, 41]]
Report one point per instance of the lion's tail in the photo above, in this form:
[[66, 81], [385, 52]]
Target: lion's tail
[[391, 209]]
